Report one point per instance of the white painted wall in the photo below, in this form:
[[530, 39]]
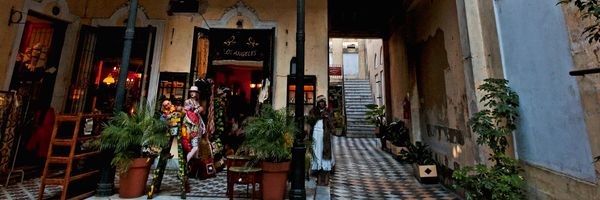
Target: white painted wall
[[537, 59]]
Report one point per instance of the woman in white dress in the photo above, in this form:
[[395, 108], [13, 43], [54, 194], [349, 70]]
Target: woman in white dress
[[322, 161]]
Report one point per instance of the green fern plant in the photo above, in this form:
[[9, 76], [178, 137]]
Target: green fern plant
[[493, 125], [138, 135], [270, 135], [376, 115], [418, 153]]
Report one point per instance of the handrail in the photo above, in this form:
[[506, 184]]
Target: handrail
[[345, 130], [583, 72]]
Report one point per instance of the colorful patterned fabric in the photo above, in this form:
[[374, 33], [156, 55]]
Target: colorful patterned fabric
[[10, 112]]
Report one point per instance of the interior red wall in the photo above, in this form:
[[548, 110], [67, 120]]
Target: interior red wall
[[240, 76]]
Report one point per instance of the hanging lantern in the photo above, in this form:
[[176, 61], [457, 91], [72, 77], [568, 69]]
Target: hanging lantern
[[109, 79]]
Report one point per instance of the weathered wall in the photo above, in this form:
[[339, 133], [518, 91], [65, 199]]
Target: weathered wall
[[399, 81], [440, 81], [363, 71], [177, 56], [548, 184], [374, 65], [555, 125], [337, 50], [7, 39], [585, 56]]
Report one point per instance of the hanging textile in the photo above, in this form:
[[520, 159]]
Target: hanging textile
[[210, 127], [10, 112], [202, 55]]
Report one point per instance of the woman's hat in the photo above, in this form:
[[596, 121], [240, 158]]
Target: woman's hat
[[194, 88], [321, 98]]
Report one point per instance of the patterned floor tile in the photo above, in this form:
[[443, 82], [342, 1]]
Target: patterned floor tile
[[363, 171]]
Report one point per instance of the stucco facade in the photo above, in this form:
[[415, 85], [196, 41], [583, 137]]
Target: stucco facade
[[175, 35]]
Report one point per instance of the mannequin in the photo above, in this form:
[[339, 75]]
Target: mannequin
[[193, 122], [173, 116]]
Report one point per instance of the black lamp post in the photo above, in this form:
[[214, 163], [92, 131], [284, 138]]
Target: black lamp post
[[298, 190], [107, 173]]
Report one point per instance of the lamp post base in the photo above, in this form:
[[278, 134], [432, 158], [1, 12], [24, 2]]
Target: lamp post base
[[298, 190]]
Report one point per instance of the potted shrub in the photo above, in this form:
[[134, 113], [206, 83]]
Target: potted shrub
[[270, 137], [397, 137], [376, 116], [494, 124], [423, 163], [134, 139]]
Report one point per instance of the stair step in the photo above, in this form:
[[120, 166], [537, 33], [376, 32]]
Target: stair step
[[359, 101], [357, 81], [358, 93], [356, 115], [360, 135], [355, 108], [358, 96], [360, 129]]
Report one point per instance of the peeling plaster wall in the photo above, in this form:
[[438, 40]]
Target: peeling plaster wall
[[399, 81], [440, 82]]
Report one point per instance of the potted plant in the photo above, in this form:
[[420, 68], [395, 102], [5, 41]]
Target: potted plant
[[134, 139], [397, 137], [270, 137], [424, 165], [376, 116], [494, 124]]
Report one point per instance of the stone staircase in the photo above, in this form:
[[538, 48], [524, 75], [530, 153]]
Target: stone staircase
[[357, 95]]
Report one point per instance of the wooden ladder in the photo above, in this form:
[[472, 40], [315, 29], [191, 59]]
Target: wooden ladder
[[54, 158]]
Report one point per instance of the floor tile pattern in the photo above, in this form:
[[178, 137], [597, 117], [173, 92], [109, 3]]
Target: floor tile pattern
[[213, 187], [364, 171]]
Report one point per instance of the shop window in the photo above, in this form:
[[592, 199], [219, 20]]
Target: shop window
[[309, 92], [172, 87]]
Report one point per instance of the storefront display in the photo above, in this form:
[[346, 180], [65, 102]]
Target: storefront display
[[309, 92]]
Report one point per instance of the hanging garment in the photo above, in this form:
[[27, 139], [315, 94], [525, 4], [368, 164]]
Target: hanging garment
[[10, 107], [40, 138], [318, 161]]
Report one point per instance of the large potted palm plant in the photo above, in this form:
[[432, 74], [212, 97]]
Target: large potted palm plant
[[270, 137], [134, 139]]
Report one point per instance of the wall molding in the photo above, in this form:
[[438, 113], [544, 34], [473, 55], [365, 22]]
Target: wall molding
[[239, 9]]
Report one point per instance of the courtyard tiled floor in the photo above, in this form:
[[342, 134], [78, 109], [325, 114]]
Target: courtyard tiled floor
[[364, 171]]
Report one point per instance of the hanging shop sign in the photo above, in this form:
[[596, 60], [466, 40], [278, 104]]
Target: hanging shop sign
[[240, 44]]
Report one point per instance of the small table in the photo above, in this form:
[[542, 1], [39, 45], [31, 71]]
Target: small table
[[236, 161], [243, 175]]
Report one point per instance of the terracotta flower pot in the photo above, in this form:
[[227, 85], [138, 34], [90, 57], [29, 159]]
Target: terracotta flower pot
[[133, 183], [274, 180]]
